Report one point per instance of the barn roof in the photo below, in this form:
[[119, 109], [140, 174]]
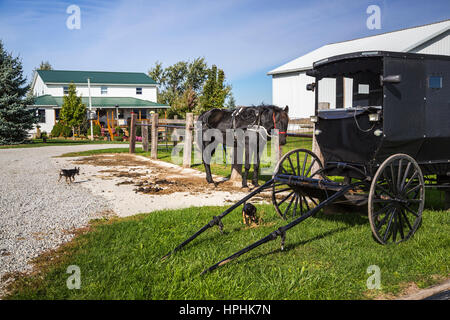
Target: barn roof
[[99, 77], [404, 40], [100, 102]]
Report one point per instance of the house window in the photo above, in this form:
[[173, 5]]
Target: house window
[[66, 90], [104, 90], [120, 114], [41, 115], [138, 90], [57, 114], [435, 82]]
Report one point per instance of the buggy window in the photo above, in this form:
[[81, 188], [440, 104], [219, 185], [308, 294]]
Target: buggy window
[[352, 90], [350, 83], [435, 82]]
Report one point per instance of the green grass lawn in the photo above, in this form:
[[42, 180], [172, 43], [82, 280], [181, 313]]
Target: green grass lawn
[[326, 257]]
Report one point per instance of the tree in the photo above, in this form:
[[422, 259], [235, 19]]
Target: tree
[[45, 66], [231, 103], [73, 110], [215, 91], [15, 116], [186, 85]]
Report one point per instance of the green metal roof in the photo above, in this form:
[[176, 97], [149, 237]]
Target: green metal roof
[[98, 102], [102, 77]]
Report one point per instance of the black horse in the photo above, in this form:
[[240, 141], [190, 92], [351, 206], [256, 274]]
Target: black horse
[[241, 122]]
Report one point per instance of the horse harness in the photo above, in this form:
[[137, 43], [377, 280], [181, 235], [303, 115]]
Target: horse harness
[[256, 125]]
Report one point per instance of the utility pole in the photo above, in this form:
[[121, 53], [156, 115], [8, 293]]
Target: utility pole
[[90, 109]]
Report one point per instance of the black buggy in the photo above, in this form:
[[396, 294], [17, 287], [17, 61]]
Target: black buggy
[[386, 140]]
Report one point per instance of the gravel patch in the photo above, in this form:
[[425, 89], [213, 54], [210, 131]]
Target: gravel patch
[[36, 210]]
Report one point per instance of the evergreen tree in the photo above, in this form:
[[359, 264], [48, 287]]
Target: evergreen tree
[[73, 110], [215, 91], [231, 103], [15, 118]]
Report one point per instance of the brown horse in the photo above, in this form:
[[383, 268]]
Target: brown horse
[[255, 118]]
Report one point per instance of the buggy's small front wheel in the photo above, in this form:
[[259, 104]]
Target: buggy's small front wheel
[[396, 199], [292, 200]]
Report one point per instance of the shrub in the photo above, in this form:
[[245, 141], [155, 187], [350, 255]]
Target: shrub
[[97, 130], [59, 129]]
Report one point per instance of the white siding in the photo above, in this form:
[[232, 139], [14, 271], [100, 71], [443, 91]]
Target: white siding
[[438, 45], [148, 92], [39, 88], [49, 120], [290, 90]]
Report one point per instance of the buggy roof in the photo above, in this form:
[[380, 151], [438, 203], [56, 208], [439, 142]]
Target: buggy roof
[[371, 54]]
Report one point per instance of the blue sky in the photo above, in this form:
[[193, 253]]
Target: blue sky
[[246, 38]]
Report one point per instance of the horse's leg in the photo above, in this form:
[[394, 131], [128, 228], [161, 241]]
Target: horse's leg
[[256, 163], [207, 165], [246, 163]]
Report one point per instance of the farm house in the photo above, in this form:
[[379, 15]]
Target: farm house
[[114, 95], [289, 80]]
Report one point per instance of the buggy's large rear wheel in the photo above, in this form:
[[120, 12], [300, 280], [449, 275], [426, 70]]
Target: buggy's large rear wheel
[[291, 200], [396, 199]]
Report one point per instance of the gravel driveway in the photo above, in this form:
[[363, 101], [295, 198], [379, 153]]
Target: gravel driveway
[[35, 209]]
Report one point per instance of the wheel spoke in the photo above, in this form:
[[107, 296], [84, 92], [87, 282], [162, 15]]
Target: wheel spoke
[[282, 190], [292, 166], [288, 196], [310, 167], [306, 202], [383, 210], [405, 175], [295, 206], [410, 210], [406, 219], [289, 206], [399, 173], [394, 226], [394, 184], [411, 180], [304, 164], [386, 234], [413, 189], [400, 225]]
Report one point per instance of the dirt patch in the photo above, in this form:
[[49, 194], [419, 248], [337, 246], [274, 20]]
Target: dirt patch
[[152, 178]]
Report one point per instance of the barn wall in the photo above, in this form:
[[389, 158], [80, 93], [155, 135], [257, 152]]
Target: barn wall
[[290, 90], [438, 45]]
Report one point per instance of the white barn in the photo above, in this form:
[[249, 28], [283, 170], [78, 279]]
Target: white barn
[[289, 80], [114, 95]]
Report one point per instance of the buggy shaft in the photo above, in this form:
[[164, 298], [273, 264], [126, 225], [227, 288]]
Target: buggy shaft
[[216, 219], [282, 230]]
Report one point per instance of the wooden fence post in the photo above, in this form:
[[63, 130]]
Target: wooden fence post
[[133, 133], [154, 151], [276, 145], [144, 131], [187, 150]]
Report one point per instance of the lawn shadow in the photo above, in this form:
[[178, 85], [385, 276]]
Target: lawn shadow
[[293, 245]]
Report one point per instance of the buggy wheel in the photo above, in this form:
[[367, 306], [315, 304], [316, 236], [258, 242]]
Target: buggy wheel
[[396, 199], [289, 200]]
